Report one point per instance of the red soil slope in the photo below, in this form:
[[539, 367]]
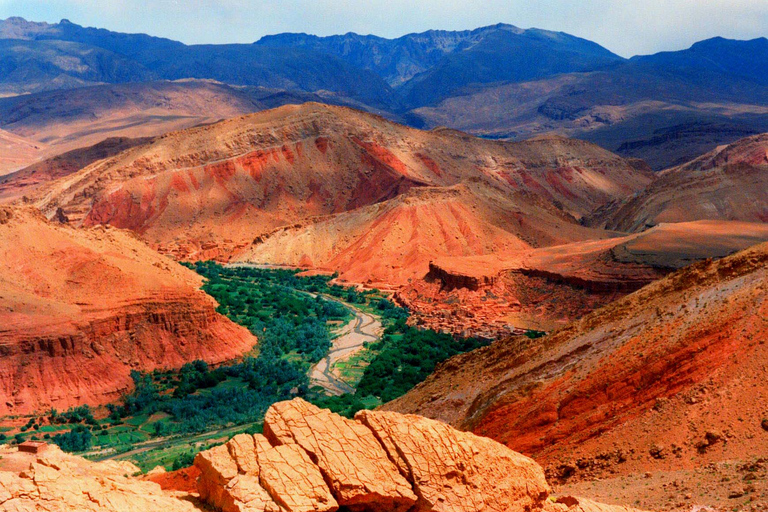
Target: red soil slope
[[671, 377], [729, 183], [546, 288], [391, 243], [81, 308], [210, 191]]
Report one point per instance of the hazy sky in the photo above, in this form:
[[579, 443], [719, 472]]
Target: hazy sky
[[627, 27]]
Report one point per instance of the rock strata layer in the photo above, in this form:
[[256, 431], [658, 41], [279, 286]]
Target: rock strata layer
[[81, 308]]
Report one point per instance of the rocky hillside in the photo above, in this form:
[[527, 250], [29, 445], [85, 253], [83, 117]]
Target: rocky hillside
[[729, 183], [81, 308], [545, 288], [672, 376], [214, 190], [22, 182]]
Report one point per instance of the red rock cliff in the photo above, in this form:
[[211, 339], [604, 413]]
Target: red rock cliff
[[80, 309]]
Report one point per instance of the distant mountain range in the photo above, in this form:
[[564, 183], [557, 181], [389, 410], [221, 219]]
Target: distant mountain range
[[498, 81]]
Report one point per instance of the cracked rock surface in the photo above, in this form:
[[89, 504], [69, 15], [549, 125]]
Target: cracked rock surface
[[57, 482], [310, 459]]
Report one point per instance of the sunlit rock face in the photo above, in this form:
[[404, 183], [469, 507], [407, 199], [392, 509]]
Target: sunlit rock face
[[310, 459]]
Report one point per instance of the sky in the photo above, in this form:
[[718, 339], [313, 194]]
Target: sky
[[626, 27]]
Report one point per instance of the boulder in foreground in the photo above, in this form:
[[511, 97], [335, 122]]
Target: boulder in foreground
[[313, 460]]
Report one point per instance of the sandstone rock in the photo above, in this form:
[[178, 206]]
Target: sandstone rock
[[351, 459], [457, 471], [451, 471], [313, 460], [57, 482], [290, 477], [223, 485], [249, 474], [244, 493], [217, 468], [243, 451]]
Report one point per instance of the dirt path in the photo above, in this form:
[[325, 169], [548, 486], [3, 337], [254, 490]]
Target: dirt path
[[363, 328], [165, 442]]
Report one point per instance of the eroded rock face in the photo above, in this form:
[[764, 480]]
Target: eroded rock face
[[351, 459], [57, 482], [457, 471], [81, 308], [313, 460], [433, 466]]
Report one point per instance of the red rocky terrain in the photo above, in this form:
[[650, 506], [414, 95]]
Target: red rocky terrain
[[548, 287], [81, 308], [209, 192], [669, 378], [308, 460]]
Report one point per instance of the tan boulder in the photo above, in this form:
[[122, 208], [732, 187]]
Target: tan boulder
[[249, 474], [243, 451], [225, 486], [244, 493], [351, 459], [290, 477], [58, 482], [456, 471], [217, 468]]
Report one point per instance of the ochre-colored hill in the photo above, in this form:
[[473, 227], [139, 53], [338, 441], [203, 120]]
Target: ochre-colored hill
[[211, 191], [729, 183], [392, 243], [548, 287], [672, 376], [17, 152], [24, 181], [80, 308]]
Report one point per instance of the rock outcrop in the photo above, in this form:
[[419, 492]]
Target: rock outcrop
[[414, 464], [56, 482], [457, 471], [310, 459], [81, 308], [348, 454]]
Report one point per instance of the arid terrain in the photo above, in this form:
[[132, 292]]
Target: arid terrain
[[81, 308], [498, 269], [229, 190], [671, 377]]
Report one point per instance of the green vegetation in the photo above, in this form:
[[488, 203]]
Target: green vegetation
[[403, 357], [183, 411]]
